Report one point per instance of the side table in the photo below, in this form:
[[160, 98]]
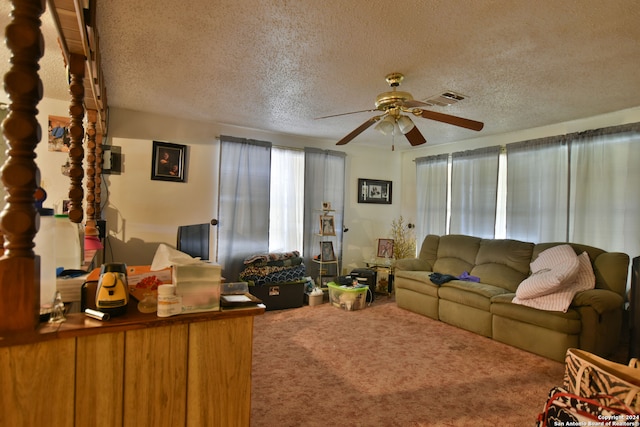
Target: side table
[[384, 276]]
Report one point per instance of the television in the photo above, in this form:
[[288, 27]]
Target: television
[[194, 240]]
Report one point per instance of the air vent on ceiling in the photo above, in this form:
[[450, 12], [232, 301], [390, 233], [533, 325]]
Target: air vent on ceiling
[[446, 98]]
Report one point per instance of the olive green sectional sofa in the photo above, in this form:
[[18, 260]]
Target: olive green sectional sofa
[[489, 306]]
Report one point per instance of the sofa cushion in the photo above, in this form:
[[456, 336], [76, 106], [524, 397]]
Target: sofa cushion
[[472, 294], [429, 250], [567, 322], [503, 262], [456, 254], [417, 281]]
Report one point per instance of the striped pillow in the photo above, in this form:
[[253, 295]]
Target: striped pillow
[[551, 257], [549, 280], [560, 300]]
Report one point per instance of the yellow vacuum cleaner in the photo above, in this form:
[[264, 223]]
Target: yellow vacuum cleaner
[[112, 295]]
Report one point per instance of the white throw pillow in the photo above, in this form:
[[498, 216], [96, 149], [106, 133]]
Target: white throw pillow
[[557, 301], [551, 257], [549, 280], [560, 300]]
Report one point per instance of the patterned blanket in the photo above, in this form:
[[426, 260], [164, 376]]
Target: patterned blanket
[[261, 275]]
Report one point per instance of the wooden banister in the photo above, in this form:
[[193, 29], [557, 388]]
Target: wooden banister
[[76, 134], [19, 267]]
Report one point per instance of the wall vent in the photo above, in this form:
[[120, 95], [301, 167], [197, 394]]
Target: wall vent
[[445, 99]]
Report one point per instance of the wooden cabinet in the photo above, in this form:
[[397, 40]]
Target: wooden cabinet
[[178, 373]]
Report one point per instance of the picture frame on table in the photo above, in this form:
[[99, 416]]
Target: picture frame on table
[[327, 225], [168, 162], [325, 280], [385, 248], [326, 252], [374, 191]]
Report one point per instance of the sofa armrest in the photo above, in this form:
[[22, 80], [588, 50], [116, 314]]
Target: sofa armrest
[[412, 264], [601, 300]]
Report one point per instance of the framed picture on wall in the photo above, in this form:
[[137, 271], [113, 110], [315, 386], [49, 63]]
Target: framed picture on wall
[[59, 139], [168, 162], [374, 191]]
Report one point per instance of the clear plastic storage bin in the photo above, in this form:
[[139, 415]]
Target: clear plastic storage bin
[[348, 298]]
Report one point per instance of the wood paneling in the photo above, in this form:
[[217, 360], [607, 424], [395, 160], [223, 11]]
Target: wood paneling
[[155, 392], [100, 380], [37, 384], [219, 363]]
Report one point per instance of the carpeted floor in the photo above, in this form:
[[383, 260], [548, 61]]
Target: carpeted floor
[[385, 366]]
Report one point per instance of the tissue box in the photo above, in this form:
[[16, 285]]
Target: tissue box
[[199, 286], [348, 298]]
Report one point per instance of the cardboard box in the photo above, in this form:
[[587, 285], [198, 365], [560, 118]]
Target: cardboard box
[[278, 296]]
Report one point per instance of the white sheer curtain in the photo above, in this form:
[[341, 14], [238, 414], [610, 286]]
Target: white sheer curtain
[[287, 200], [324, 182], [605, 173], [432, 174], [474, 189], [244, 202], [538, 190]]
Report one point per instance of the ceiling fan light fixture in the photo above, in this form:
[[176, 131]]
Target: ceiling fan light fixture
[[405, 124], [386, 125]]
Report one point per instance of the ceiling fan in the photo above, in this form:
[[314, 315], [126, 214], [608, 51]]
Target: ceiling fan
[[396, 105]]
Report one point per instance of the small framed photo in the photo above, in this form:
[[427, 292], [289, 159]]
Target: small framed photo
[[326, 279], [169, 162], [385, 248], [326, 206], [326, 252], [327, 225], [59, 138], [374, 191]]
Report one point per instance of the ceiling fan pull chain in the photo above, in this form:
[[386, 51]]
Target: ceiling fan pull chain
[[393, 138]]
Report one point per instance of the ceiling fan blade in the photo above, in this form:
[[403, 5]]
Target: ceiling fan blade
[[414, 136], [452, 120], [357, 131], [344, 114]]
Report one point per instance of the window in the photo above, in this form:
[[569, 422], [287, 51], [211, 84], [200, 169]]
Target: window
[[286, 213], [579, 187]]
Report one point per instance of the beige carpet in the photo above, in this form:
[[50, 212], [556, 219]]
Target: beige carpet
[[385, 366]]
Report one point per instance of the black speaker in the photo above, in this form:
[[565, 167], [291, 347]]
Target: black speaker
[[366, 276], [634, 310]]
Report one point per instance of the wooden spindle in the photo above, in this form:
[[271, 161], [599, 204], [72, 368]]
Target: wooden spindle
[[19, 267], [90, 225], [76, 134]]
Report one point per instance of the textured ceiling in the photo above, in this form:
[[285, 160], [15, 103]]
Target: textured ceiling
[[276, 65]]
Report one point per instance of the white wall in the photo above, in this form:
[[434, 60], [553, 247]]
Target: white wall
[[142, 213]]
